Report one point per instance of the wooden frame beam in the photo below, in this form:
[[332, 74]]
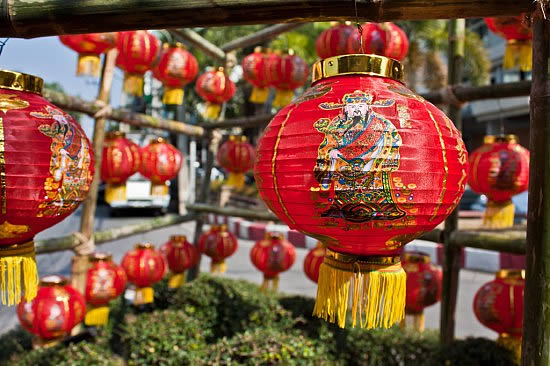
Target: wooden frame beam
[[192, 37], [260, 36]]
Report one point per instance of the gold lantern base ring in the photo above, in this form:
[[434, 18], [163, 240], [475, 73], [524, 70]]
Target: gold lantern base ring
[[18, 267], [88, 65], [374, 286]]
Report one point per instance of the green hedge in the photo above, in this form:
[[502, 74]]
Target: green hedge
[[216, 321]]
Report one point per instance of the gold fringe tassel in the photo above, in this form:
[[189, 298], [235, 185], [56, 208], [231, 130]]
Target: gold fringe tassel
[[499, 215], [513, 343], [159, 189], [377, 290], [518, 53], [176, 280], [283, 98], [236, 180], [88, 65], [133, 84], [96, 315], [218, 267], [259, 95], [416, 319], [270, 283], [173, 96], [13, 259], [115, 192], [144, 295], [212, 111]]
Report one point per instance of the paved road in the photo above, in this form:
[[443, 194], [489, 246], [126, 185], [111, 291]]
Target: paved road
[[238, 266]]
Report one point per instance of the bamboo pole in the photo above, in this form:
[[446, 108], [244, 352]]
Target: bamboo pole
[[506, 241], [233, 212], [260, 36], [192, 37], [243, 122], [473, 93], [536, 310], [451, 260], [38, 18]]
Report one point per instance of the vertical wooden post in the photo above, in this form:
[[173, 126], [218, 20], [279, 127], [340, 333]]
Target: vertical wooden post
[[80, 260], [451, 261], [536, 313]]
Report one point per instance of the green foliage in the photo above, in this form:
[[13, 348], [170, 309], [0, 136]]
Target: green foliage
[[16, 341]]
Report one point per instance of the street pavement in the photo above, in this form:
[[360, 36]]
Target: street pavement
[[239, 266]]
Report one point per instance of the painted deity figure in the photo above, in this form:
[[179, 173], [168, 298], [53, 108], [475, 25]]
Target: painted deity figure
[[356, 158]]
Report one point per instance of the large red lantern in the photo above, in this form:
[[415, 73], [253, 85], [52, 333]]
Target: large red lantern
[[105, 281], [117, 165], [363, 164], [272, 255], [254, 71], [215, 88], [144, 266], [180, 256], [313, 260], [176, 68], [498, 305], [138, 52], [518, 36], [334, 40], [384, 39], [423, 285], [160, 162], [89, 47], [285, 72], [46, 164], [499, 169], [236, 156], [218, 243], [55, 310]]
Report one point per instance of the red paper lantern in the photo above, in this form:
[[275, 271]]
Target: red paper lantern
[[499, 169], [423, 285], [144, 266], [105, 281], [384, 39], [117, 165], [218, 243], [138, 52], [498, 305], [55, 310], [136, 152], [285, 73], [313, 260], [272, 255], [254, 69], [363, 164], [334, 40], [46, 163], [518, 36], [177, 67], [180, 256], [89, 47], [236, 156], [160, 162], [215, 88]]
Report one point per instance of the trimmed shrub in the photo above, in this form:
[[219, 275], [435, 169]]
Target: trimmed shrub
[[473, 352], [15, 342]]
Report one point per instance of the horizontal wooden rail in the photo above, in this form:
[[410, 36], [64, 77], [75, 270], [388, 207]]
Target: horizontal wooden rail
[[473, 93], [234, 212], [260, 36], [195, 39], [253, 121], [105, 236]]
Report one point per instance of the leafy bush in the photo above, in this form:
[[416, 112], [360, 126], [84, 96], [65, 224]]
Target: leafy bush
[[16, 341], [473, 352]]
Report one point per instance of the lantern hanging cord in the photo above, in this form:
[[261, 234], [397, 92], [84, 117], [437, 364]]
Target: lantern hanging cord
[[2, 44], [359, 28]]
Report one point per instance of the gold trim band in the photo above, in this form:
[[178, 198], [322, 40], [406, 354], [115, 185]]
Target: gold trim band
[[53, 280], [354, 263], [357, 64], [99, 257], [23, 82], [114, 134], [510, 273], [17, 249], [416, 257], [178, 238], [144, 246]]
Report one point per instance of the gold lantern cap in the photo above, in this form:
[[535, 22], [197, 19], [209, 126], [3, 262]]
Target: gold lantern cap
[[100, 257], [115, 134], [144, 246], [273, 235], [510, 273], [157, 140], [23, 82], [416, 257], [178, 238], [174, 45], [357, 64], [53, 280]]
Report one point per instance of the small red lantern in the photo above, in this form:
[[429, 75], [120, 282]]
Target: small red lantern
[[423, 285], [136, 152], [215, 88], [285, 72], [138, 52], [236, 156], [177, 67], [384, 39], [89, 47], [46, 164], [160, 162], [218, 243], [117, 165], [499, 306], [334, 40], [518, 36], [272, 255], [105, 281], [254, 69], [144, 266], [313, 260], [499, 170], [342, 164], [55, 310], [180, 256]]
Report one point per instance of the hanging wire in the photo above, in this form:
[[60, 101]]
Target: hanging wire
[[2, 44], [359, 28]]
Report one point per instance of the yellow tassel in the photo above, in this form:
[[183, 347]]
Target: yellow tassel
[[212, 111], [133, 84], [218, 267], [259, 95], [513, 343], [115, 192], [144, 295], [378, 286], [283, 98], [526, 56], [173, 96], [176, 280], [270, 283], [518, 53], [88, 65], [12, 259], [236, 180], [160, 189], [499, 215], [96, 315]]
